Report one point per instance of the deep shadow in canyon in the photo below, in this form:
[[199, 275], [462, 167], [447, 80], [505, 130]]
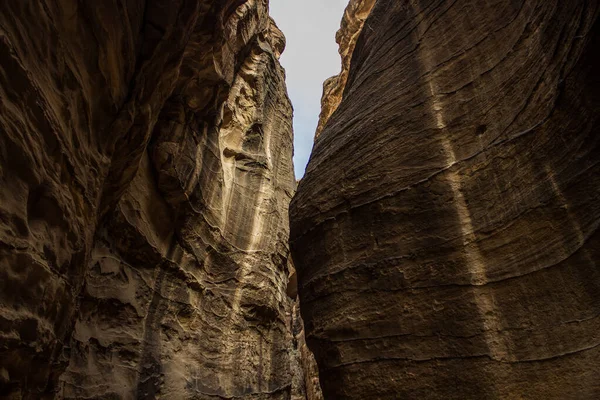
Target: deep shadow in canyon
[[446, 231], [443, 244]]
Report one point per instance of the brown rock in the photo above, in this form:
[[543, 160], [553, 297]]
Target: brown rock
[[306, 373], [146, 171], [446, 231], [353, 22]]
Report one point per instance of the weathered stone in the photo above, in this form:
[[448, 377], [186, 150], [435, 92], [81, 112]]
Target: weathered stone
[[146, 172], [306, 372], [333, 88], [446, 231]]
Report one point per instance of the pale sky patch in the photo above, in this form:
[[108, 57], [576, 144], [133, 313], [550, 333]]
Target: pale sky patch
[[311, 56]]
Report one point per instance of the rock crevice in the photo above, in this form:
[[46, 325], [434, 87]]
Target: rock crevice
[[146, 172]]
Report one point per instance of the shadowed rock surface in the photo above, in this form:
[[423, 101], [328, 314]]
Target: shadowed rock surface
[[446, 231], [307, 374], [146, 172]]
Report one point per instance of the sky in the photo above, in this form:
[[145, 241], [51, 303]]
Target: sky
[[310, 57]]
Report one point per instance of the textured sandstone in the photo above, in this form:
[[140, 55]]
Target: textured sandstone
[[307, 372], [353, 22], [446, 231], [145, 166]]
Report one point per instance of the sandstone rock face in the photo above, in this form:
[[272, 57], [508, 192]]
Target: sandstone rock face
[[146, 172], [446, 231], [306, 373], [353, 21]]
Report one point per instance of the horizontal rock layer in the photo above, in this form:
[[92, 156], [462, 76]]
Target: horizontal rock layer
[[146, 171], [446, 231]]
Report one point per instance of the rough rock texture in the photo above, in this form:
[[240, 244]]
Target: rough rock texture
[[306, 373], [145, 167], [446, 231], [353, 21]]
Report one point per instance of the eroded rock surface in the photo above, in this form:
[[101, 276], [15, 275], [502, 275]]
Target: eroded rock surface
[[306, 372], [146, 171], [446, 231], [346, 37]]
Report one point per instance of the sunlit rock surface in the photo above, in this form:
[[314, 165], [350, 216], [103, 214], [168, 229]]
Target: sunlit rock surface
[[146, 171], [352, 24], [446, 231]]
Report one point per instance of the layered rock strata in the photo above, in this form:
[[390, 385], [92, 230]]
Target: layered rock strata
[[446, 231], [146, 171]]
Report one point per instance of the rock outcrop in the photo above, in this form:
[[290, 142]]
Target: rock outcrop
[[352, 24], [446, 231], [146, 172]]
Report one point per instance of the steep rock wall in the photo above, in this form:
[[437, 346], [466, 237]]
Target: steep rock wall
[[446, 230], [146, 171], [307, 373]]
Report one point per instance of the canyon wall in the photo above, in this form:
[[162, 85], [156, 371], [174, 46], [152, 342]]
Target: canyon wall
[[146, 172], [446, 231]]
